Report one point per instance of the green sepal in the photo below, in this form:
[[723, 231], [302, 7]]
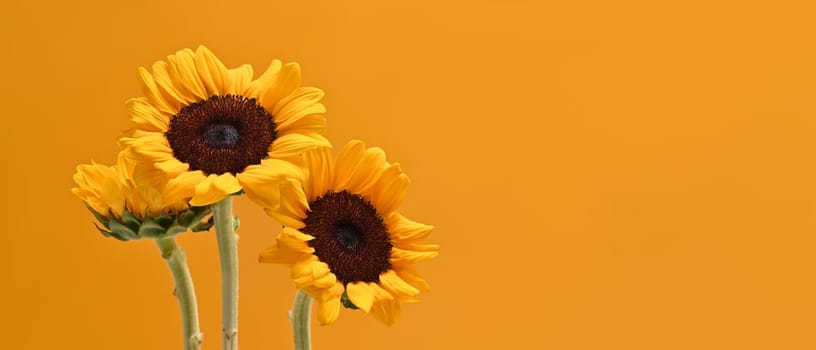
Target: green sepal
[[107, 233], [131, 221], [194, 215], [164, 220], [344, 299], [121, 231], [203, 226], [131, 227], [175, 229], [101, 218], [152, 229]]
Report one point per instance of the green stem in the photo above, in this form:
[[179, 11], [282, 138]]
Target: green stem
[[299, 316], [184, 291], [228, 252]]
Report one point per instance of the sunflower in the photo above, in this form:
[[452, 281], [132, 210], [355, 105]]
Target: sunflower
[[203, 124], [343, 237], [127, 209]]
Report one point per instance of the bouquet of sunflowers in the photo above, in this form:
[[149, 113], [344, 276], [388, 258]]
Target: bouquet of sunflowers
[[204, 133]]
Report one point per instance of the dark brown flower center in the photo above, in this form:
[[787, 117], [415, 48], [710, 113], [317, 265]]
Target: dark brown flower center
[[222, 134], [349, 236]]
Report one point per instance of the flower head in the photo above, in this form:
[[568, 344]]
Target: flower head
[[342, 235], [129, 210], [203, 124]]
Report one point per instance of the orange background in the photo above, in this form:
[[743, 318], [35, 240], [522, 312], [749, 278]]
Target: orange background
[[601, 175]]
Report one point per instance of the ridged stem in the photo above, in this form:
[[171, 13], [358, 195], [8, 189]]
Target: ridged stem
[[300, 318], [184, 291], [228, 253]]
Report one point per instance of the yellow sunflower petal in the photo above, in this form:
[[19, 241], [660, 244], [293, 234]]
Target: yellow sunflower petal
[[90, 179], [410, 275], [323, 277], [317, 294], [227, 183], [281, 256], [328, 307], [286, 81], [173, 94], [297, 234], [294, 240], [311, 273], [274, 169], [284, 218], [155, 151], [144, 113], [147, 145], [319, 165], [330, 292], [289, 212], [184, 65], [213, 73], [386, 308], [402, 256], [172, 166], [403, 229], [153, 93], [346, 162], [367, 171], [388, 192], [176, 80], [361, 294], [302, 102], [183, 186], [291, 145], [358, 168], [397, 286], [296, 203], [239, 79], [262, 182], [314, 122], [294, 245], [418, 247], [143, 175], [112, 194], [214, 189], [352, 150], [302, 272], [101, 187], [259, 86]]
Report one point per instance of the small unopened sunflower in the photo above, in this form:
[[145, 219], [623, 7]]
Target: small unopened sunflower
[[342, 236], [203, 124], [128, 210]]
